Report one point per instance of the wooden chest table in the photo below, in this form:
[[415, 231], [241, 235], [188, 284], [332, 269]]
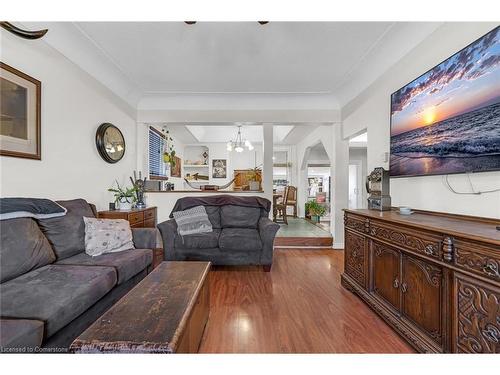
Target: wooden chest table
[[138, 217], [165, 313]]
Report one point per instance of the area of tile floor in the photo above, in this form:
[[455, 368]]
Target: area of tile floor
[[298, 227]]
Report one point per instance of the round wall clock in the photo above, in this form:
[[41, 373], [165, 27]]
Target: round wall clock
[[110, 142]]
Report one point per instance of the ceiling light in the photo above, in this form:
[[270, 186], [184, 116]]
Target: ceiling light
[[238, 143]]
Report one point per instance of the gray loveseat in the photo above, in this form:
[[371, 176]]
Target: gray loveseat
[[50, 290], [242, 233]]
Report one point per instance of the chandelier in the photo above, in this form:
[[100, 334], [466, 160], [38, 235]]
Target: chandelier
[[238, 144]]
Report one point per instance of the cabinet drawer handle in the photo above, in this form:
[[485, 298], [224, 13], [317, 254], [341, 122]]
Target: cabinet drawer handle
[[429, 250], [404, 287], [395, 284], [491, 333], [491, 269]]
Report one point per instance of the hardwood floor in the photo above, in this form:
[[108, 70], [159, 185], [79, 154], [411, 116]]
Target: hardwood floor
[[298, 307]]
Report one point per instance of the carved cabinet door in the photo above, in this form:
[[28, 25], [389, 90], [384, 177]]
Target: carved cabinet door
[[386, 273], [477, 316], [355, 257], [422, 288]]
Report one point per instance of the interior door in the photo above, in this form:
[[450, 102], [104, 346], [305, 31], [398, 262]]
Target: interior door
[[354, 182], [422, 288], [386, 275]]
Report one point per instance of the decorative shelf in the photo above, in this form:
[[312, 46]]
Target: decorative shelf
[[195, 165]]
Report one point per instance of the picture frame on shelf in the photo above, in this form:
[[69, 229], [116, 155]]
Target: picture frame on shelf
[[175, 170], [219, 168]]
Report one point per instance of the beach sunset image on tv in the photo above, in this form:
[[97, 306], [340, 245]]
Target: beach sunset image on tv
[[448, 119]]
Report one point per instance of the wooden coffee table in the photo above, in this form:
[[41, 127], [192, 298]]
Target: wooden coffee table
[[165, 313]]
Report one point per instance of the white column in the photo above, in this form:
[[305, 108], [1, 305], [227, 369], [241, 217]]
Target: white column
[[340, 185], [267, 168], [142, 148]]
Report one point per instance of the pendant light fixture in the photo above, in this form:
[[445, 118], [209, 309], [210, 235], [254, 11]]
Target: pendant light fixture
[[238, 144]]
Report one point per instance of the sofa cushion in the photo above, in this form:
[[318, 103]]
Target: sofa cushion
[[239, 216], [198, 241], [21, 334], [107, 236], [213, 213], [66, 234], [127, 263], [55, 294], [23, 248], [240, 239]]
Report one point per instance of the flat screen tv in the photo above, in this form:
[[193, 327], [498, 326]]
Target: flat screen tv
[[448, 119]]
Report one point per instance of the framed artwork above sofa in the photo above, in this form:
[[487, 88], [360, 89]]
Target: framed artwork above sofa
[[20, 114]]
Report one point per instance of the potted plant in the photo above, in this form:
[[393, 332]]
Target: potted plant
[[124, 198], [169, 152], [253, 183], [315, 210]]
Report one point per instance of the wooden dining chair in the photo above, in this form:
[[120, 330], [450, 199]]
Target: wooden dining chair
[[281, 207], [290, 199]]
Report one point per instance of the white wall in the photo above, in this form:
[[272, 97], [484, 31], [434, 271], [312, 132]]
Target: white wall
[[337, 149], [358, 155], [73, 106], [371, 110]]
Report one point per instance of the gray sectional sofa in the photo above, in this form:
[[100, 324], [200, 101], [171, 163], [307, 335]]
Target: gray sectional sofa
[[242, 232], [50, 290]]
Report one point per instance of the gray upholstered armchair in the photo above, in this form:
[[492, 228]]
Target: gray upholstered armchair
[[242, 232]]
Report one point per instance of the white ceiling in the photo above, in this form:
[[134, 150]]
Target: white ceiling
[[222, 133], [291, 62], [363, 137], [241, 57]]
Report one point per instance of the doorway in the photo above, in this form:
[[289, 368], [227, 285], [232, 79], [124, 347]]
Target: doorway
[[358, 171]]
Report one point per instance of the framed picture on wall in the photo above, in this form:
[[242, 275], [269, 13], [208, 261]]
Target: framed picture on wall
[[219, 168], [176, 168], [20, 114]]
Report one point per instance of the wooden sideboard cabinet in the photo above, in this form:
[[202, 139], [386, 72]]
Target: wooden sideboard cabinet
[[138, 217], [433, 277]]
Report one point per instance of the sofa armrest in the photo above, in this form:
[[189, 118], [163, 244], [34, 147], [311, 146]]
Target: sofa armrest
[[168, 231], [146, 238], [267, 231]]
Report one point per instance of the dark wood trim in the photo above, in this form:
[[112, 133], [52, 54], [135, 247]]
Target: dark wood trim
[[38, 85], [158, 178], [303, 241]]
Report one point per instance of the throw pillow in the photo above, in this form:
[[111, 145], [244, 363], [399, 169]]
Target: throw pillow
[[107, 236], [192, 221]]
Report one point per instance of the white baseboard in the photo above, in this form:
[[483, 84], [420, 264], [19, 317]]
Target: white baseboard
[[338, 245]]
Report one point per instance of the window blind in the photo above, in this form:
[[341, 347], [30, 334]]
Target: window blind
[[157, 167]]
